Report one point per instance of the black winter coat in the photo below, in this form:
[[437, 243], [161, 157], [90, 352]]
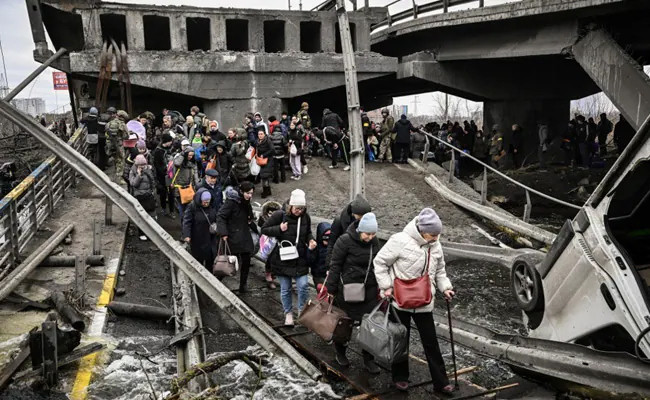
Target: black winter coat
[[265, 149], [331, 119], [318, 256], [271, 228], [215, 192], [161, 156], [233, 220], [351, 262], [279, 143], [197, 228], [339, 227], [403, 128]]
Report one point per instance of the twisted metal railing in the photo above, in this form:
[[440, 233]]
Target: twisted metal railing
[[24, 210]]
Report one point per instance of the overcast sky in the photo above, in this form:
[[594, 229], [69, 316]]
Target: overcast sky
[[17, 43]]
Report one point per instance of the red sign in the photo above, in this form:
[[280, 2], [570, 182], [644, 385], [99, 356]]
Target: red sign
[[60, 80]]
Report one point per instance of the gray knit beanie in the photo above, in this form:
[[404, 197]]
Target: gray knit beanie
[[429, 222], [368, 223], [360, 205]]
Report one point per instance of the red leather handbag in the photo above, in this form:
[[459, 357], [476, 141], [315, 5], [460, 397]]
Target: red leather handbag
[[413, 293]]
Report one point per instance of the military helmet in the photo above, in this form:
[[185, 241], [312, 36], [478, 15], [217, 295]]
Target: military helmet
[[384, 111], [93, 111], [123, 114], [111, 110]]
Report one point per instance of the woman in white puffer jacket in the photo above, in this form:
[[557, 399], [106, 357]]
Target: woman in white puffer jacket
[[405, 256]]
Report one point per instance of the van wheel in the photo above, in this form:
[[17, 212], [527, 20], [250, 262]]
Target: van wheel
[[527, 286]]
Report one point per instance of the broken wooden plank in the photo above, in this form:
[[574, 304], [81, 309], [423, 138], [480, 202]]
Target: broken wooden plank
[[12, 367]]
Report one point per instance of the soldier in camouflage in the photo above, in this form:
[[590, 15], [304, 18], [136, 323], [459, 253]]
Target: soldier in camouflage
[[303, 116], [115, 133], [387, 136]]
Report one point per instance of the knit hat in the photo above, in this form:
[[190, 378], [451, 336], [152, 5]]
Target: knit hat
[[368, 223], [206, 196], [166, 138], [140, 160], [298, 198], [215, 124], [185, 142], [429, 222], [141, 144], [360, 205]]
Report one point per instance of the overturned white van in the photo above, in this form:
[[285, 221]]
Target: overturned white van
[[592, 288]]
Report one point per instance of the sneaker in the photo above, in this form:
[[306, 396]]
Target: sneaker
[[292, 177], [305, 169], [297, 178], [143, 238], [346, 168], [342, 359], [402, 386], [288, 319], [332, 167]]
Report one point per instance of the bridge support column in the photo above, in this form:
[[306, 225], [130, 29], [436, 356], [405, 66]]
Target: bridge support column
[[527, 114], [230, 112], [616, 73]]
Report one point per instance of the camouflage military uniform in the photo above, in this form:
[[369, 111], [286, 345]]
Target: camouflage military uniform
[[496, 150], [115, 134], [304, 118], [387, 138]]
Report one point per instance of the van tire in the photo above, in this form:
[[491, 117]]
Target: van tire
[[526, 285]]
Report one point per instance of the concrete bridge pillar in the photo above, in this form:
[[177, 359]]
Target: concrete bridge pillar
[[527, 114], [292, 35], [178, 32], [92, 29], [256, 35], [230, 112], [217, 33], [134, 31], [328, 36]]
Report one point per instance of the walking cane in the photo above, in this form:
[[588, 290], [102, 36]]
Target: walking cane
[[453, 351]]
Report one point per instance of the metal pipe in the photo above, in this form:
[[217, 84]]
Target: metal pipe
[[501, 174], [34, 74], [67, 311], [250, 322], [34, 260], [140, 311]]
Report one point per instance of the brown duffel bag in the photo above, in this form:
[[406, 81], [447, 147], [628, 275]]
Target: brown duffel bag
[[224, 264], [327, 321]]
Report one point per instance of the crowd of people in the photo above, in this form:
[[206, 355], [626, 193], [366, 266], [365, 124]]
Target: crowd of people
[[584, 143], [187, 166]]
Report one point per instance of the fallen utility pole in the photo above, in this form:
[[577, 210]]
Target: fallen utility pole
[[140, 311], [250, 322], [357, 147], [8, 284]]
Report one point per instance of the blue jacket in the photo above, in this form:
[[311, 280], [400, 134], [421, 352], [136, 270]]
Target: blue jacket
[[318, 256]]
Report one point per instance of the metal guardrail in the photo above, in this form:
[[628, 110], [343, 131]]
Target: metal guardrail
[[24, 210], [414, 11], [527, 208]]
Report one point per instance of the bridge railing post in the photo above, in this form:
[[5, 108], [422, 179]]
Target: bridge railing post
[[445, 6], [425, 155], [452, 166], [484, 184], [527, 208]]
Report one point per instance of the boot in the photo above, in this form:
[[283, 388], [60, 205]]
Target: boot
[[370, 365], [265, 192], [341, 358], [288, 319]]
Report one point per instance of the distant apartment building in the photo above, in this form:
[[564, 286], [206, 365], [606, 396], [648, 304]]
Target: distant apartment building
[[33, 106]]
